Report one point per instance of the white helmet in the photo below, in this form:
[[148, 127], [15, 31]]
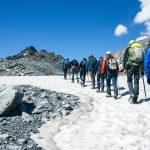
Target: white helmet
[[108, 53]]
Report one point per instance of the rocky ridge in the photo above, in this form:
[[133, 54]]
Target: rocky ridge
[[30, 62]]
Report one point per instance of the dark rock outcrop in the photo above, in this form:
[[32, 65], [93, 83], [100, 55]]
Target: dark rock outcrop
[[37, 107], [10, 98]]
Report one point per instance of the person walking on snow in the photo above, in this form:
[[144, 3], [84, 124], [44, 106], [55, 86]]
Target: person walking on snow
[[83, 71], [147, 64], [75, 69], [112, 70], [65, 66], [98, 69], [133, 67], [90, 66]]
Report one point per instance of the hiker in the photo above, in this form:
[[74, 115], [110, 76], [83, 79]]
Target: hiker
[[147, 64], [75, 69], [133, 64], [90, 66], [112, 70], [83, 71], [65, 65], [98, 69]]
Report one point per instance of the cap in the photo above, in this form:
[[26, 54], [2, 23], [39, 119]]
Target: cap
[[131, 42], [108, 53]]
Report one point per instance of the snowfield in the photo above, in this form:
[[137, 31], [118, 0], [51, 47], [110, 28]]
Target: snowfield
[[100, 124]]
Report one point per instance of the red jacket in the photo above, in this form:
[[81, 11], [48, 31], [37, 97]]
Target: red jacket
[[104, 61]]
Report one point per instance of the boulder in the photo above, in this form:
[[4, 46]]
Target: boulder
[[10, 98], [3, 136]]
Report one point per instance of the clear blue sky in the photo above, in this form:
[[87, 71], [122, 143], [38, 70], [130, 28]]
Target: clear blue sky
[[72, 28]]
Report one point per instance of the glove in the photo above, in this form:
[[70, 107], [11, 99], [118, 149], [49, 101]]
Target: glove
[[148, 81]]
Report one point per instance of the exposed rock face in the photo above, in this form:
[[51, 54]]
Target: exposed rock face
[[10, 98], [30, 62]]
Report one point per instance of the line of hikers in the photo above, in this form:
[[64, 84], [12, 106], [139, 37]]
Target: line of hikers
[[135, 62]]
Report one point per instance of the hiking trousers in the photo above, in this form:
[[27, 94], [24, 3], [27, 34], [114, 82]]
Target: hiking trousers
[[102, 82], [74, 72], [92, 74], [82, 75], [98, 80], [133, 73], [112, 77], [65, 73]]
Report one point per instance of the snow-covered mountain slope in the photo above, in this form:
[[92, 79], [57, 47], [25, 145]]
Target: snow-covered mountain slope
[[100, 124]]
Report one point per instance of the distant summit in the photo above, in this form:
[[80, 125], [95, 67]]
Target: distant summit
[[31, 62], [32, 53]]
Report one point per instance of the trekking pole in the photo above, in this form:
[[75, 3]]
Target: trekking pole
[[144, 86], [88, 77], [69, 73]]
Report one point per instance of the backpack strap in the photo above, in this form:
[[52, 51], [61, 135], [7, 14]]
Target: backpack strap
[[125, 59]]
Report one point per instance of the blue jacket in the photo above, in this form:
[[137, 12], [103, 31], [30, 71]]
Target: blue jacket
[[65, 63], [88, 65], [147, 63], [98, 67]]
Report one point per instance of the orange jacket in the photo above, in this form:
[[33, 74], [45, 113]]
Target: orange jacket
[[103, 71]]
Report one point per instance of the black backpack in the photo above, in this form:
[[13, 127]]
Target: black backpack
[[83, 63], [93, 63], [75, 63]]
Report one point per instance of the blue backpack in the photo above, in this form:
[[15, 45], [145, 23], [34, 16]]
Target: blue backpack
[[65, 63]]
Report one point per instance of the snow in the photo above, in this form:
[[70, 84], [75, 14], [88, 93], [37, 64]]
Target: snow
[[99, 124]]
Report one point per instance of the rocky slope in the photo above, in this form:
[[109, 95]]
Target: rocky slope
[[30, 62], [20, 119]]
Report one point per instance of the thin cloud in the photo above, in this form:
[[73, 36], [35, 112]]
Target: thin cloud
[[144, 17], [121, 30]]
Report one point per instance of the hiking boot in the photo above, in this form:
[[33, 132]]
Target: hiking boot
[[108, 95], [98, 90], [83, 85], [72, 81], [131, 99], [115, 95], [93, 88], [81, 82], [135, 99]]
